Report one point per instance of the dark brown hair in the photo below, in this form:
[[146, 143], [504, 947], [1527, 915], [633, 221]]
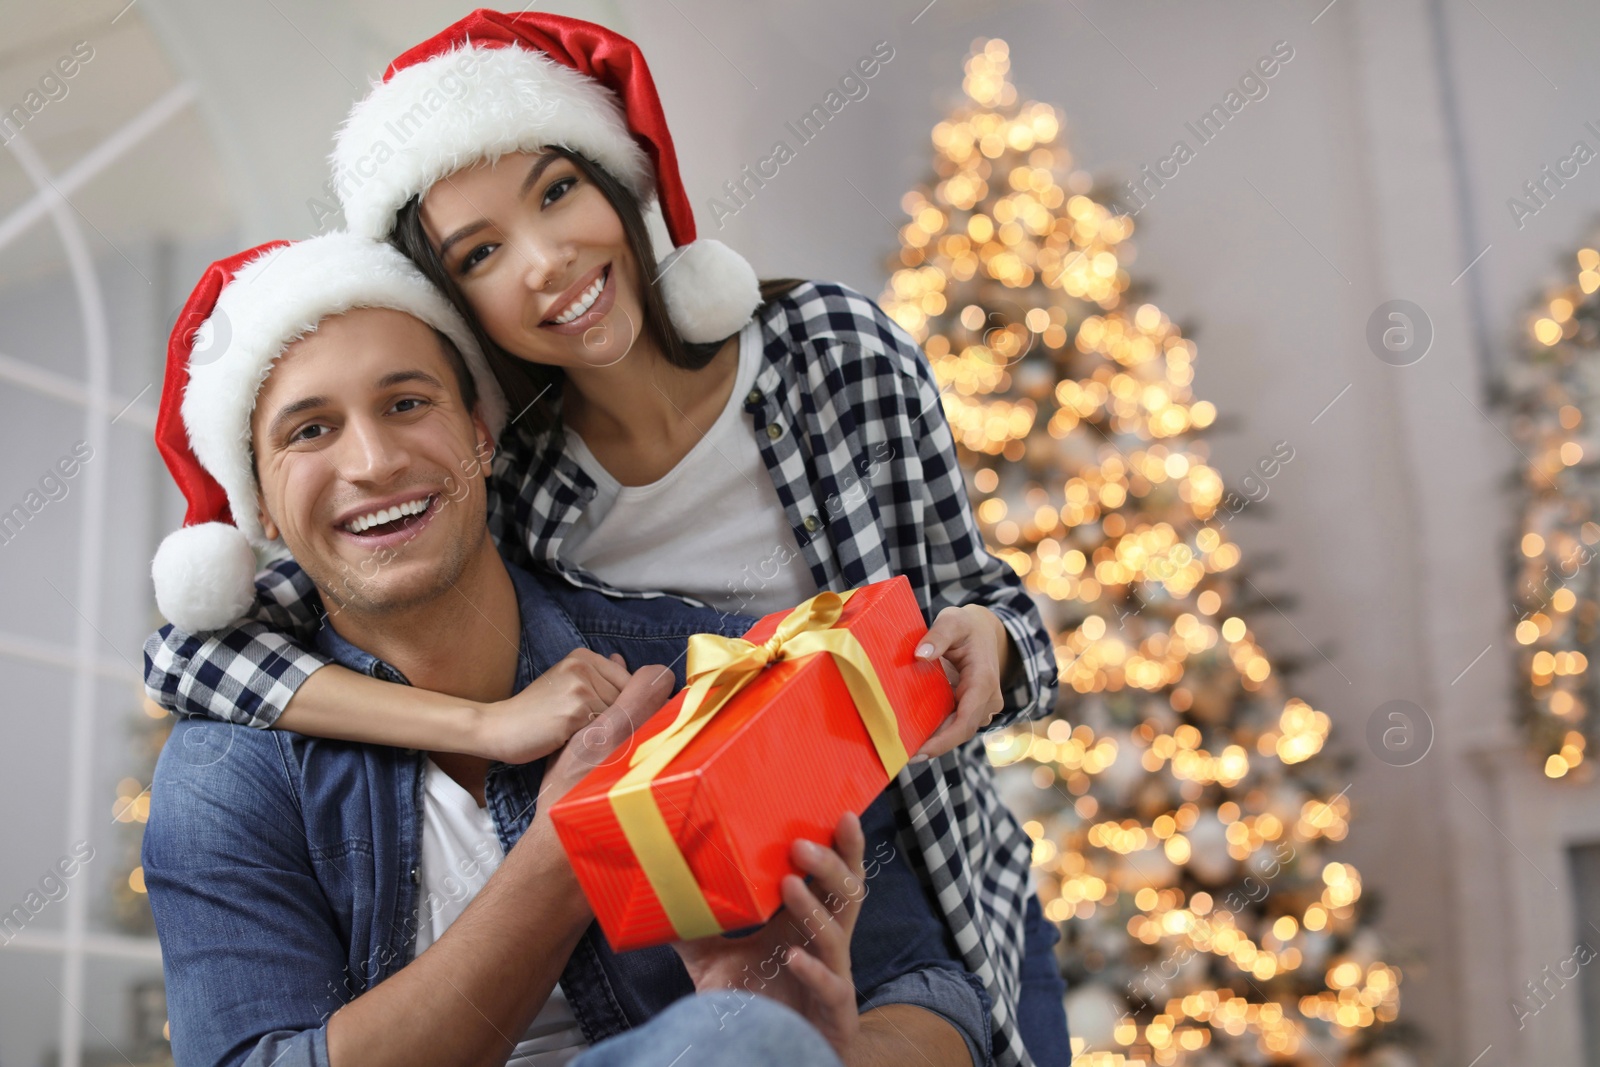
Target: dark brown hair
[[532, 389]]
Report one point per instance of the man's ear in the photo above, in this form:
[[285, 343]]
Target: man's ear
[[267, 525], [484, 448]]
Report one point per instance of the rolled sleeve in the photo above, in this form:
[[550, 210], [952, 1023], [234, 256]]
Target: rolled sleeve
[[955, 996], [289, 1048], [1033, 694]]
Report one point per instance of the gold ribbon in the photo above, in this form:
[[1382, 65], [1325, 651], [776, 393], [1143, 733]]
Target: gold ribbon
[[718, 668]]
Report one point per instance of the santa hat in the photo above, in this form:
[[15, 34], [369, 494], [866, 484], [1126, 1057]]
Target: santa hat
[[246, 310], [494, 84]]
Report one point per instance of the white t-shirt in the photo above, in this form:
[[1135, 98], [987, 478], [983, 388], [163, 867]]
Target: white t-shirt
[[711, 528], [460, 850]]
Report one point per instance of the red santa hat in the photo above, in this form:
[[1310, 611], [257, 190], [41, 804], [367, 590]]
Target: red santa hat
[[494, 84], [246, 310]]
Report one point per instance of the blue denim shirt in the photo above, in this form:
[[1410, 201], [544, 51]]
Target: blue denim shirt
[[282, 869]]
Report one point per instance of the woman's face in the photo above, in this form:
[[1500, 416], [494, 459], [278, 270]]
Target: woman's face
[[540, 256]]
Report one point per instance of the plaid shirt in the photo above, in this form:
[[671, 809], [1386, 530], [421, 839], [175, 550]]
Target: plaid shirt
[[849, 422]]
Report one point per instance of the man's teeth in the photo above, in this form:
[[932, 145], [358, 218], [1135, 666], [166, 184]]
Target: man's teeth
[[584, 302], [378, 518]]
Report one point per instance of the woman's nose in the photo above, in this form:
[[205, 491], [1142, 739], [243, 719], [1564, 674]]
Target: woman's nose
[[544, 263]]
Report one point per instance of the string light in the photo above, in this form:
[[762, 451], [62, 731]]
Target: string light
[[1178, 814], [1554, 402]]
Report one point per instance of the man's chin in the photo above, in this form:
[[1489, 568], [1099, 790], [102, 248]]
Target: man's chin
[[386, 593], [386, 582]]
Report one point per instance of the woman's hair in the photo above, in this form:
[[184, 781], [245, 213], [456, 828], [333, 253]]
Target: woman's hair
[[533, 388]]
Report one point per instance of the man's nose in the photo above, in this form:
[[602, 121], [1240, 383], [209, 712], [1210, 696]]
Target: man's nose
[[369, 453]]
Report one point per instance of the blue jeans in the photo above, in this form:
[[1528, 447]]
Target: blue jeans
[[1041, 1015], [736, 1029], [723, 1030]]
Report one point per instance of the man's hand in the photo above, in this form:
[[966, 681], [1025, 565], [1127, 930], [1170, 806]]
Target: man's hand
[[560, 702], [609, 735], [801, 957], [500, 959], [973, 641]]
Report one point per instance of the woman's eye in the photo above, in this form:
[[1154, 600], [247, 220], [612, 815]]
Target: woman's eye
[[474, 257], [410, 403], [558, 188]]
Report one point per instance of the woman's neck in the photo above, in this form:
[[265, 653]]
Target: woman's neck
[[642, 415]]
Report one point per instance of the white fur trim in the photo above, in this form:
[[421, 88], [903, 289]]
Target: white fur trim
[[471, 104], [711, 291], [204, 576], [273, 301]]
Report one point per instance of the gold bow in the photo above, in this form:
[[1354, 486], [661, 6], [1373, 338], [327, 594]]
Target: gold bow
[[718, 668]]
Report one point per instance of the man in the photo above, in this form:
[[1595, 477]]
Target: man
[[293, 878]]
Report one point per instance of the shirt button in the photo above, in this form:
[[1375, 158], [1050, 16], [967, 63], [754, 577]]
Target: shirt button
[[774, 431], [416, 879], [812, 523], [754, 397]]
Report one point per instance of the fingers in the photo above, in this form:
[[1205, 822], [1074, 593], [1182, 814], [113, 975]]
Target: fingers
[[605, 673], [949, 735], [850, 842], [838, 875], [978, 699], [974, 710], [955, 730], [949, 628], [833, 994], [645, 691]]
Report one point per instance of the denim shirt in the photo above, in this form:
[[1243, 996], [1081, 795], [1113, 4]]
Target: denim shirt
[[283, 869]]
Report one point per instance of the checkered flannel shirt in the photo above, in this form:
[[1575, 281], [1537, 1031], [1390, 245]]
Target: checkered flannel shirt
[[848, 419]]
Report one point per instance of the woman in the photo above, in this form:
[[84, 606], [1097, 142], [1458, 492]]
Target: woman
[[662, 437]]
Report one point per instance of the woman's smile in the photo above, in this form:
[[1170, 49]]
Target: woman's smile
[[584, 304]]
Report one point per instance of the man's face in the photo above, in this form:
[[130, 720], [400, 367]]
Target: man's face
[[370, 466]]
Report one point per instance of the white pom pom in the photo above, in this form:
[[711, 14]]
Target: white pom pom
[[711, 291], [205, 576]]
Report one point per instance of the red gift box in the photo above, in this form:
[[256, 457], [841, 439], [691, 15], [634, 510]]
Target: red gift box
[[669, 846]]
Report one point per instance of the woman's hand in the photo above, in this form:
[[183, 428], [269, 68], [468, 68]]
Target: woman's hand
[[610, 735], [559, 703], [973, 641], [801, 957]]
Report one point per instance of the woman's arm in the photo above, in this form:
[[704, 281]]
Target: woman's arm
[[259, 673], [248, 672], [348, 706]]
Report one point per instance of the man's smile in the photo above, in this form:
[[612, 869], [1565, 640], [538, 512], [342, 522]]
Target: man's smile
[[378, 522]]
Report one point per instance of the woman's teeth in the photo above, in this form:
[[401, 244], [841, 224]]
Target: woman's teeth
[[584, 302], [388, 515]]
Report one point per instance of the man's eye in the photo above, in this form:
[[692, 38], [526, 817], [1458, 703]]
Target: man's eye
[[309, 433], [410, 403], [558, 188]]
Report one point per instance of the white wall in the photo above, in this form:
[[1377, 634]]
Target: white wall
[[1376, 168]]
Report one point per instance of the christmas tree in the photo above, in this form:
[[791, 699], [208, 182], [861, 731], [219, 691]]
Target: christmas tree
[[1179, 826], [1555, 398], [148, 1040], [130, 905]]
